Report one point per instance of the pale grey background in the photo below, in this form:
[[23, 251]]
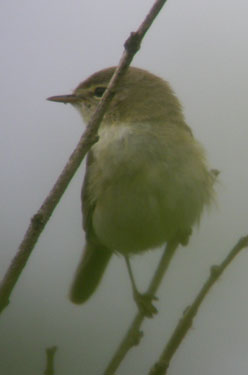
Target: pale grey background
[[47, 48]]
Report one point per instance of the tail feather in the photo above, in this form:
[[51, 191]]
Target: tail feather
[[89, 273]]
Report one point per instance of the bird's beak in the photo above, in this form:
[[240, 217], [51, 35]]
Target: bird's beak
[[65, 99]]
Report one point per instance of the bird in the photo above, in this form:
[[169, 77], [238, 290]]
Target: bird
[[147, 181]]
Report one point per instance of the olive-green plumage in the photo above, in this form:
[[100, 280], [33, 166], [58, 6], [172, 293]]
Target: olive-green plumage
[[146, 181]]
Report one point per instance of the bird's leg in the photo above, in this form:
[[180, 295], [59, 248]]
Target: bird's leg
[[143, 301]]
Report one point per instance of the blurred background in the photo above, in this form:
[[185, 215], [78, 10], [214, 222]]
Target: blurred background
[[47, 48]]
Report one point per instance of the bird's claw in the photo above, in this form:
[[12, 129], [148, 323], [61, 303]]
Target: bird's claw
[[145, 305]]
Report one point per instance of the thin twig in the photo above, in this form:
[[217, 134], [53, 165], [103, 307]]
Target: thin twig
[[133, 335], [50, 353], [185, 323], [88, 138]]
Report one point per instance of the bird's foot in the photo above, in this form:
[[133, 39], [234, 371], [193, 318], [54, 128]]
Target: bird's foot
[[145, 305]]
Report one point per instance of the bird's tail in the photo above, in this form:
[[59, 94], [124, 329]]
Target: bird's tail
[[89, 273]]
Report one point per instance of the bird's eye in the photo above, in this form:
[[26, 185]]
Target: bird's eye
[[99, 91]]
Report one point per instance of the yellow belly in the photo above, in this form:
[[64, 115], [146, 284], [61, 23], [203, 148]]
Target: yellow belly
[[145, 190]]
